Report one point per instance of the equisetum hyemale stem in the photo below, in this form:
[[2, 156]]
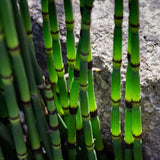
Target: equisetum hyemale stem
[[85, 41], [116, 81], [57, 55], [136, 89], [7, 76]]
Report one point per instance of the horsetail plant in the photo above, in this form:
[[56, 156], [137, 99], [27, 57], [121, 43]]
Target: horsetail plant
[[86, 17], [128, 101], [57, 55], [116, 81], [7, 77], [136, 90]]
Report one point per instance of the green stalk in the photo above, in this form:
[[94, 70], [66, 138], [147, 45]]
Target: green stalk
[[7, 79], [93, 110], [28, 27], [53, 124], [116, 81], [58, 59], [136, 89], [86, 16], [71, 56], [128, 98]]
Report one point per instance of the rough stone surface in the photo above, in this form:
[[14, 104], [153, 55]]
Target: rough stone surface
[[102, 44]]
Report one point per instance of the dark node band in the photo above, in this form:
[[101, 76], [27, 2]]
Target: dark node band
[[71, 60], [87, 23], [118, 101], [55, 128], [83, 85], [94, 114], [14, 118], [52, 112], [129, 57], [70, 22], [44, 13], [89, 7], [116, 136], [128, 104], [128, 146], [71, 145], [117, 61], [14, 49], [56, 145], [84, 54], [136, 101], [37, 151], [53, 85], [85, 116], [76, 73], [55, 32], [135, 25], [135, 65], [90, 64], [21, 155], [80, 131], [27, 103], [90, 146], [59, 70], [29, 32], [6, 77], [137, 137], [58, 94], [118, 17], [48, 49], [50, 99], [73, 110], [65, 108]]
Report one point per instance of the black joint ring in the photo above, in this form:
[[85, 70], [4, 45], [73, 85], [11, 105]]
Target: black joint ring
[[80, 131], [137, 137], [21, 155], [73, 110], [84, 54], [55, 32], [118, 17], [76, 73], [117, 61], [128, 104], [129, 57], [58, 94], [52, 112], [14, 49], [128, 146], [56, 145], [89, 7], [59, 70], [53, 85], [70, 22], [71, 145], [116, 137], [136, 101], [135, 65], [135, 25], [118, 101], [48, 49], [65, 108], [6, 77], [50, 99], [83, 85], [71, 60], [85, 116], [55, 128], [27, 103], [94, 114], [14, 118], [29, 32], [87, 23], [90, 64], [44, 13], [37, 151], [90, 146]]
